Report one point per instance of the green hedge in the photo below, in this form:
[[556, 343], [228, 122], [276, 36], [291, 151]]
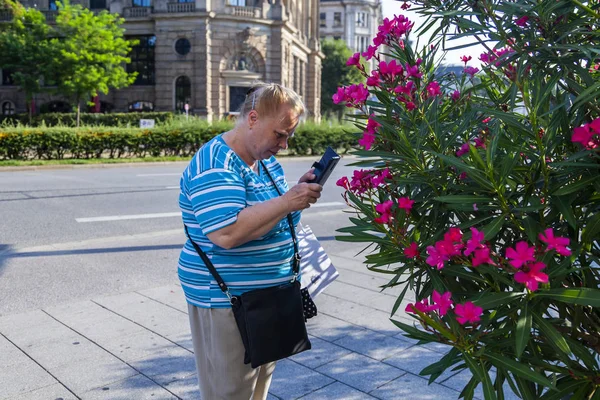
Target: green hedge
[[175, 139], [69, 119]]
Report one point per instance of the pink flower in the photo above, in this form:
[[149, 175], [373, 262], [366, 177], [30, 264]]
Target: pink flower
[[442, 301], [482, 256], [413, 71], [454, 235], [354, 60], [586, 135], [370, 53], [555, 243], [423, 306], [471, 71], [464, 149], [455, 95], [462, 177], [392, 69], [522, 21], [385, 209], [412, 251], [339, 96], [465, 59], [405, 6], [437, 255], [475, 241], [367, 140], [410, 106], [374, 80], [520, 255], [479, 143], [468, 312], [433, 89], [405, 203], [381, 176], [343, 182], [486, 120], [406, 89], [532, 276]]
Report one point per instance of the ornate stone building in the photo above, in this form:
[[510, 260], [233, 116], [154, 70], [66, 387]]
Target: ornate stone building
[[354, 21], [205, 53]]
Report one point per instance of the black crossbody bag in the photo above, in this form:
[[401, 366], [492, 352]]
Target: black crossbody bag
[[270, 320]]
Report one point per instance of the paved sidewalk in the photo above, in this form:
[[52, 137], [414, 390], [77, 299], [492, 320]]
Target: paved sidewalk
[[137, 345]]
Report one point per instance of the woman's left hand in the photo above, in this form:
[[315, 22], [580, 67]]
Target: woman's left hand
[[308, 176]]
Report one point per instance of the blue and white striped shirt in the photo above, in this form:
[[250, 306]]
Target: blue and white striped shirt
[[215, 187]]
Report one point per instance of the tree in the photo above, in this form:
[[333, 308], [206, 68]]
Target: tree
[[336, 73], [25, 49], [92, 53]]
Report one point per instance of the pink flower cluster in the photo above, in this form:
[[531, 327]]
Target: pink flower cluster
[[442, 302], [385, 209], [522, 257], [464, 149], [392, 30], [368, 137], [353, 95], [364, 180], [588, 135]]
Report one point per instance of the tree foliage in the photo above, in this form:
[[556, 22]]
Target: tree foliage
[[25, 49], [91, 53], [335, 72]]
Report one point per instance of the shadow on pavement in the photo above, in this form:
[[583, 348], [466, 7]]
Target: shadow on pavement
[[50, 253], [5, 253]]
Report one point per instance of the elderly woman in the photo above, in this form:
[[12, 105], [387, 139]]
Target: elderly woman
[[232, 210]]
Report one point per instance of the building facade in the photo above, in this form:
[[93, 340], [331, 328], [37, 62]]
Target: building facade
[[354, 21], [203, 55]]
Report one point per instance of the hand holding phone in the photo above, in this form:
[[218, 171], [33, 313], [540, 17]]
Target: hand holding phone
[[325, 166]]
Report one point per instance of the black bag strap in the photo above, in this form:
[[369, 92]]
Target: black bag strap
[[296, 267], [224, 288]]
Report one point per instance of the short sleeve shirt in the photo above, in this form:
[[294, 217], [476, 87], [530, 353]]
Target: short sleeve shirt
[[215, 187]]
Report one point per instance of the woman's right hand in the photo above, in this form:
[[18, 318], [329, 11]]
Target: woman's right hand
[[302, 195]]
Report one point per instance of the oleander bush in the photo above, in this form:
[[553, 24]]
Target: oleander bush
[[480, 193]]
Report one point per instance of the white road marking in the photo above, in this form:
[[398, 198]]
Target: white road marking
[[146, 175], [177, 214], [172, 187]]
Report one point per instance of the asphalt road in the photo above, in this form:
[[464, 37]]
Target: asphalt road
[[74, 234]]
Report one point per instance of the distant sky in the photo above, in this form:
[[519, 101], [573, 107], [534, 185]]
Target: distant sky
[[391, 7]]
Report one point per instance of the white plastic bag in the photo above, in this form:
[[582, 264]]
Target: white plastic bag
[[316, 267]]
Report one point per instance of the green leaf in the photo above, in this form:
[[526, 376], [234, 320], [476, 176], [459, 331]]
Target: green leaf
[[564, 206], [575, 186], [489, 393], [517, 368], [532, 228], [399, 300], [523, 330], [414, 332], [555, 338], [592, 229], [474, 366], [581, 296], [565, 387], [492, 229], [461, 199], [492, 300]]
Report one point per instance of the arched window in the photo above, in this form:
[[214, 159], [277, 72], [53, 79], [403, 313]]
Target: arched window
[[183, 92], [183, 46], [8, 108], [141, 106]]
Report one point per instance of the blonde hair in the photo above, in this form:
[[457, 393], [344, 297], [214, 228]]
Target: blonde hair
[[267, 99]]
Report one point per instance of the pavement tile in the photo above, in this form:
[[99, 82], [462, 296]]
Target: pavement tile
[[329, 328], [22, 377], [33, 328], [360, 372], [150, 314], [372, 344], [321, 353], [369, 280], [10, 354], [186, 388], [54, 392], [367, 317], [69, 350], [165, 368], [137, 387], [170, 295], [337, 391], [412, 387], [139, 346], [83, 376], [414, 359], [292, 380], [366, 297]]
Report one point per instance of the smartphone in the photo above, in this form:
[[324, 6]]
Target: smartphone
[[325, 166]]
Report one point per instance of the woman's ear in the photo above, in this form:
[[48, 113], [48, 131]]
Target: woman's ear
[[252, 118]]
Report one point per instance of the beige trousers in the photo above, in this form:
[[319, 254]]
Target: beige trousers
[[219, 354]]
